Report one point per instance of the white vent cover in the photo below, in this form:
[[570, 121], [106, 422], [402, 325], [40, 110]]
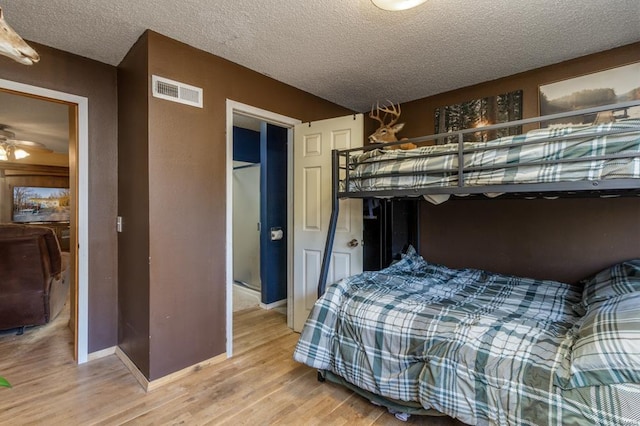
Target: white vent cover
[[175, 91]]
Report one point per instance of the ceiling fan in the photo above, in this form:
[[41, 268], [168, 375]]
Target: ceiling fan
[[12, 149]]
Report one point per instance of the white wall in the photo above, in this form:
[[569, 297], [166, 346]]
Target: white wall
[[246, 215]]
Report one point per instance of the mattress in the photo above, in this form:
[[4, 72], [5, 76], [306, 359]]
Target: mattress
[[481, 347], [555, 154]]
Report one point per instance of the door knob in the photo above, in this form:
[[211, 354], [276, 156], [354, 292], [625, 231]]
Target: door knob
[[353, 243]]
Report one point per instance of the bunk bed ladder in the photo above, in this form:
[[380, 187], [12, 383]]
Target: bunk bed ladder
[[460, 160], [333, 222]]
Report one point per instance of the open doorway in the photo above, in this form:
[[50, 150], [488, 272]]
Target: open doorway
[[64, 168], [35, 140], [259, 214], [247, 170], [259, 196]]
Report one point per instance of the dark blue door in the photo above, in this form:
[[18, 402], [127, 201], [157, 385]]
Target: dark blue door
[[273, 213]]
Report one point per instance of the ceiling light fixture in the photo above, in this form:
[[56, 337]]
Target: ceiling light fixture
[[397, 4], [19, 154], [9, 152], [12, 149]]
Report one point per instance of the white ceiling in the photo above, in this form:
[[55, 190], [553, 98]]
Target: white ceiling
[[345, 51]]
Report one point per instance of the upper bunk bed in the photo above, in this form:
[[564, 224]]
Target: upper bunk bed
[[596, 159], [478, 346], [601, 157]]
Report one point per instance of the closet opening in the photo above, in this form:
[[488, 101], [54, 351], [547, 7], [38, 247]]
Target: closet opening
[[259, 214], [267, 161]]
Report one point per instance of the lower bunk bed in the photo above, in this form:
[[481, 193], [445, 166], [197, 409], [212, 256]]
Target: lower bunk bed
[[481, 347]]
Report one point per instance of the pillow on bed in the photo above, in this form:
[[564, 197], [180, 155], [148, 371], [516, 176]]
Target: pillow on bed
[[607, 348], [622, 278], [411, 253], [410, 261]]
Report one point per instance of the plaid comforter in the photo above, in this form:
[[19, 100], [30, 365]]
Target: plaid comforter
[[481, 347], [567, 143]]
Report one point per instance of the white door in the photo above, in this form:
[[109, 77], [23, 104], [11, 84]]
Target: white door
[[312, 209]]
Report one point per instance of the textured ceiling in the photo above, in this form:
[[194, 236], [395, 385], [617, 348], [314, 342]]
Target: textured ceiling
[[346, 51]]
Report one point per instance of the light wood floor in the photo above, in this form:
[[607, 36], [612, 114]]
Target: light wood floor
[[260, 385]]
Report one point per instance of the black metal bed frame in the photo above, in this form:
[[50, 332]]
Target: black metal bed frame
[[341, 163]]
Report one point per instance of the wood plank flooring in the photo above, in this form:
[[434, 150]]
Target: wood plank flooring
[[260, 385]]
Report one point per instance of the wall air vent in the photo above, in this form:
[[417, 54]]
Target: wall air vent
[[175, 91]]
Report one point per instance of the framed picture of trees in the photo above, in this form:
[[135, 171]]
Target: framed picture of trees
[[40, 204], [596, 89], [478, 113]]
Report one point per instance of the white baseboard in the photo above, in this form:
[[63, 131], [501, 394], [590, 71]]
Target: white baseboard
[[273, 305], [148, 386]]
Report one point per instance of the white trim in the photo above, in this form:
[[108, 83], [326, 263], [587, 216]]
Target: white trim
[[273, 305], [290, 228], [282, 121], [83, 203]]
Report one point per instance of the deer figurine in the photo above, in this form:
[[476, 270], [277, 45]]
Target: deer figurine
[[387, 132], [13, 46]]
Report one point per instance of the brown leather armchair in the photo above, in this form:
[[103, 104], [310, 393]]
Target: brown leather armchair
[[34, 276]]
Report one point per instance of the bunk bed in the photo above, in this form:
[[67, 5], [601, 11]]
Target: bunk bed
[[482, 347]]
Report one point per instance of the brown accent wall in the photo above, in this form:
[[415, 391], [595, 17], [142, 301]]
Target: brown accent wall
[[133, 205], [61, 71], [419, 114], [562, 239], [554, 239], [184, 171]]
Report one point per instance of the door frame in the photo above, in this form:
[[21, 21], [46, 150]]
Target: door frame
[[282, 121], [82, 171]]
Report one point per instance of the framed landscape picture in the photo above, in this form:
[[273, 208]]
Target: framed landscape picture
[[606, 87], [39, 204], [478, 113]]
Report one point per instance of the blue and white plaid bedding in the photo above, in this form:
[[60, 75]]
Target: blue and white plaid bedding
[[481, 347], [580, 142]]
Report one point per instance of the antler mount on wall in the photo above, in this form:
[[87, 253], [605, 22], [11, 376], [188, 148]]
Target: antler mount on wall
[[386, 133], [13, 46]]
